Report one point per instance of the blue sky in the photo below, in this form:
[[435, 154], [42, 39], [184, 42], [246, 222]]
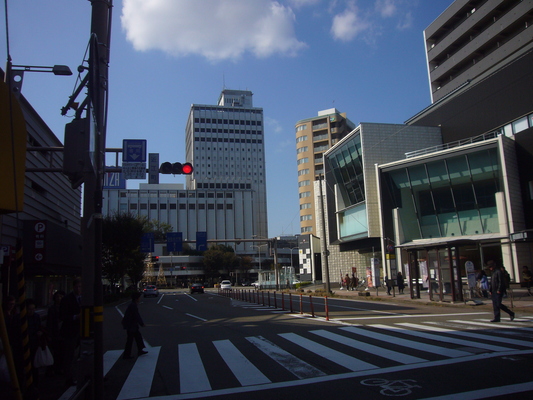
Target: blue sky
[[363, 57]]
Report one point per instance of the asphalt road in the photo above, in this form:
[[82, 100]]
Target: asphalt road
[[207, 345]]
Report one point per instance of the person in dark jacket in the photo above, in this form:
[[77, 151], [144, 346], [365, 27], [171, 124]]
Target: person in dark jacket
[[53, 327], [70, 315], [498, 287], [131, 322], [400, 282]]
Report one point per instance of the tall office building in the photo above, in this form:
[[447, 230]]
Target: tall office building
[[313, 137], [473, 38], [225, 143]]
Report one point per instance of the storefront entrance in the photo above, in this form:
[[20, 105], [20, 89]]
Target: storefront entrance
[[440, 271]]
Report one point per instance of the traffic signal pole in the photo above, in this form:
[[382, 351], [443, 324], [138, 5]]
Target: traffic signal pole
[[92, 291]]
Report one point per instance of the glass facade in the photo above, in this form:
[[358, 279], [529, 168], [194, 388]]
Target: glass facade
[[346, 165], [447, 197]]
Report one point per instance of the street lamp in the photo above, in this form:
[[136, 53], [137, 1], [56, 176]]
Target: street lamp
[[16, 73], [259, 251]]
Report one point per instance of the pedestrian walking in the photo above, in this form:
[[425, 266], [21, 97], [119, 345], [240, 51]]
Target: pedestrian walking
[[53, 328], [388, 283], [346, 282], [70, 314], [353, 282], [498, 287], [131, 322], [400, 282]]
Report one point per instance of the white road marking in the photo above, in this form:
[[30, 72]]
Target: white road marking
[[140, 378], [462, 342], [242, 368], [351, 363], [297, 367], [370, 348], [428, 348], [194, 316], [413, 316], [193, 377]]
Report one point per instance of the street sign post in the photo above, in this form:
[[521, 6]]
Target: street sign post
[[134, 158], [174, 241]]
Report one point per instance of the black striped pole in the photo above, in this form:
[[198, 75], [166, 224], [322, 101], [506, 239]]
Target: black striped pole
[[21, 287]]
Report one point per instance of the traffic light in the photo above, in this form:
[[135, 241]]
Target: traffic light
[[176, 168], [155, 259]]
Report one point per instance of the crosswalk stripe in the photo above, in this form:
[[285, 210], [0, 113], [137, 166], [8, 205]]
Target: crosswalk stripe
[[370, 348], [242, 368], [481, 345], [110, 358], [139, 380], [297, 367], [493, 338], [443, 351], [193, 377], [510, 325], [351, 363]]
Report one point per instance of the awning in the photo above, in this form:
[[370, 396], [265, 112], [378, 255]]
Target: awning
[[440, 242]]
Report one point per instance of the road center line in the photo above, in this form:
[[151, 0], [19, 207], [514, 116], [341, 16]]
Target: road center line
[[194, 316]]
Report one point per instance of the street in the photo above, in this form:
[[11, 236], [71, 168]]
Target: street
[[207, 345]]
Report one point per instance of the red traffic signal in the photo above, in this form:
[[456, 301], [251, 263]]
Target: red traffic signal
[[176, 168], [155, 259]]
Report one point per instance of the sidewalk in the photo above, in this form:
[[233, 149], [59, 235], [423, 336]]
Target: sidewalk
[[517, 297]]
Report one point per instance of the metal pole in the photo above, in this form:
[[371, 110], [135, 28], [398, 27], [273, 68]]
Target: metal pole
[[92, 216], [325, 252]]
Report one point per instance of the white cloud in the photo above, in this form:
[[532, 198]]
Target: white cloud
[[347, 25], [405, 22], [303, 3], [218, 29], [386, 8]]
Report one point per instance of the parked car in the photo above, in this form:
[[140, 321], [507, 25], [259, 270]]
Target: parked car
[[256, 284], [196, 287], [150, 290], [225, 285], [245, 283]]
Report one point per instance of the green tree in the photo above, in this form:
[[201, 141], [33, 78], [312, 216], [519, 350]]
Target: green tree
[[160, 229], [219, 257], [121, 253]]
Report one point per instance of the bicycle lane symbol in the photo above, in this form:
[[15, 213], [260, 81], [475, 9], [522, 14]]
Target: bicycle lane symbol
[[394, 387]]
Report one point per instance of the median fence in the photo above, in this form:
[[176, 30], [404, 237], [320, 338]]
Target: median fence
[[291, 302]]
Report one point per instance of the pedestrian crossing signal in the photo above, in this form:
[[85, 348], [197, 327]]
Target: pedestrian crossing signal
[[176, 168]]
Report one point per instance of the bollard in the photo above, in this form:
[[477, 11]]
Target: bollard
[[326, 307], [301, 303], [263, 298], [290, 302], [282, 301], [275, 300], [311, 304], [268, 298]]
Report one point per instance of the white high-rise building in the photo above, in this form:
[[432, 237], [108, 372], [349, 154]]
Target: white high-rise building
[[225, 144]]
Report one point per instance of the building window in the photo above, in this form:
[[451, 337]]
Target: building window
[[220, 206], [305, 194], [133, 206], [153, 206], [163, 206], [303, 160], [305, 206], [173, 206]]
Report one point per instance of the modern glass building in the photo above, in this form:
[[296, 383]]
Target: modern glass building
[[450, 210], [351, 192]]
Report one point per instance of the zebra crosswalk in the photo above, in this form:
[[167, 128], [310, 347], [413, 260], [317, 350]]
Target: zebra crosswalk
[[323, 354]]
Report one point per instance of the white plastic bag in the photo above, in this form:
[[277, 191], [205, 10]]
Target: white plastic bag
[[43, 357]]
